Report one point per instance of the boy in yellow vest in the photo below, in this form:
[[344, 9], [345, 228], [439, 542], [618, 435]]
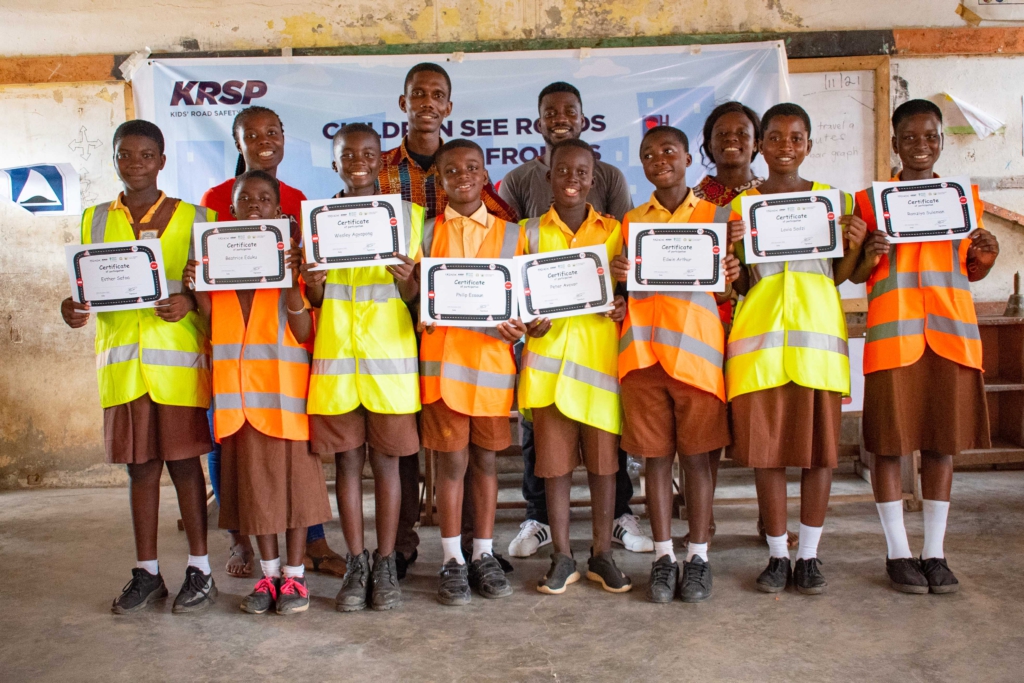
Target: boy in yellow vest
[[467, 379], [364, 387], [570, 378]]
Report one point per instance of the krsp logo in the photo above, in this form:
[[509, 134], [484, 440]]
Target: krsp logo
[[197, 93]]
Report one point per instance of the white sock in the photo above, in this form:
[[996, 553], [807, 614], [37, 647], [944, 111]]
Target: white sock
[[697, 549], [935, 512], [481, 546], [151, 566], [891, 514], [294, 572], [452, 548], [200, 562], [271, 568], [778, 546], [809, 537], [662, 548]]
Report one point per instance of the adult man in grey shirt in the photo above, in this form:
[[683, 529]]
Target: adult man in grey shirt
[[527, 190]]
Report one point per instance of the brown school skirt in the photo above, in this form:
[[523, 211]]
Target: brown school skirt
[[394, 435], [142, 430], [933, 405], [664, 416], [787, 426], [563, 443], [445, 430], [269, 485]]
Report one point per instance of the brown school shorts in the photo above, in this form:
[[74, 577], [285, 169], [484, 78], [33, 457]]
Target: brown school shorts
[[563, 443], [394, 435], [445, 430], [142, 430]]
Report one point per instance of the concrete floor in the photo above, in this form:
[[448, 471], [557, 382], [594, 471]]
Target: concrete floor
[[64, 555]]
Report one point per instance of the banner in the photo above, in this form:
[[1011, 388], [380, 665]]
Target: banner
[[494, 96]]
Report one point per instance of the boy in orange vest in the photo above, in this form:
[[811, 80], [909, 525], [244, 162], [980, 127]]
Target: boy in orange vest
[[923, 386], [467, 379], [670, 368]]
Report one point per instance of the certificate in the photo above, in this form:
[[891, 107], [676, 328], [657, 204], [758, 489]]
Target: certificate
[[925, 210], [117, 276], [677, 257], [242, 255], [467, 292], [792, 226], [353, 231], [560, 284]]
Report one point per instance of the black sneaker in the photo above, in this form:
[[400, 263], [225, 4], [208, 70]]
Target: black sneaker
[[664, 577], [453, 587], [601, 568], [143, 589], [384, 588], [940, 578], [402, 564], [355, 585], [488, 578], [808, 578], [561, 574], [263, 596], [776, 575], [905, 575], [696, 583], [197, 592], [293, 596]]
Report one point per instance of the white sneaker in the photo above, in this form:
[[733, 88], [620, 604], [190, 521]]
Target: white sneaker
[[532, 535], [627, 533]]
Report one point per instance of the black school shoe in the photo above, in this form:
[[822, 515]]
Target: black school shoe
[[197, 592], [138, 593], [808, 578], [384, 589], [264, 595], [664, 577], [905, 575], [294, 595], [453, 584], [488, 578], [402, 564], [696, 583], [561, 573], [940, 578], [776, 575], [355, 585], [601, 568], [506, 566]]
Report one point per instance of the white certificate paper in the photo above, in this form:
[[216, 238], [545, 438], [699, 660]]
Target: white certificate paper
[[677, 257], [467, 292], [242, 255], [117, 276], [561, 284], [925, 210], [349, 232], [792, 226]]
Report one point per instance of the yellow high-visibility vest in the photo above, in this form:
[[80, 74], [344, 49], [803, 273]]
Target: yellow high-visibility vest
[[137, 352], [576, 364], [365, 350], [790, 327]]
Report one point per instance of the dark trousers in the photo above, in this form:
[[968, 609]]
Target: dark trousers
[[407, 539]]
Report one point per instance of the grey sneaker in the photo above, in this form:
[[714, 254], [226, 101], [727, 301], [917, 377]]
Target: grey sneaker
[[137, 594], [263, 596], [664, 577], [488, 578], [384, 589], [355, 585], [293, 596], [696, 583], [776, 575], [561, 574], [601, 568], [453, 584], [197, 592]]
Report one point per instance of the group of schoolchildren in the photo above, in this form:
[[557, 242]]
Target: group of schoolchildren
[[335, 364]]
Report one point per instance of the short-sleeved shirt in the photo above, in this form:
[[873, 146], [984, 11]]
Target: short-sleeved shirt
[[218, 198], [528, 190]]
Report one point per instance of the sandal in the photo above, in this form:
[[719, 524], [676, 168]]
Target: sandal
[[242, 569], [320, 558], [792, 539], [686, 539]]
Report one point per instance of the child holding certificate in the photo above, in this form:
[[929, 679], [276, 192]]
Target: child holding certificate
[[570, 378], [364, 389], [670, 367], [153, 372], [270, 482], [787, 366], [923, 386], [467, 376]]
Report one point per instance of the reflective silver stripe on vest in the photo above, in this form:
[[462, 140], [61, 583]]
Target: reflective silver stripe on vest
[[951, 279], [271, 401], [768, 340], [99, 223], [582, 373], [683, 342], [334, 366], [894, 280], [227, 351], [817, 340], [379, 292], [175, 359], [430, 368], [702, 299], [388, 366], [427, 238], [117, 354], [510, 240], [200, 213], [489, 331], [173, 287], [532, 229], [896, 328], [287, 354], [722, 214], [337, 292], [227, 402], [536, 361], [480, 378], [951, 326]]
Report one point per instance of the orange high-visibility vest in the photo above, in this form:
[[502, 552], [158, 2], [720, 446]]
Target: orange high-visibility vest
[[925, 298], [681, 330], [471, 368], [260, 371]]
